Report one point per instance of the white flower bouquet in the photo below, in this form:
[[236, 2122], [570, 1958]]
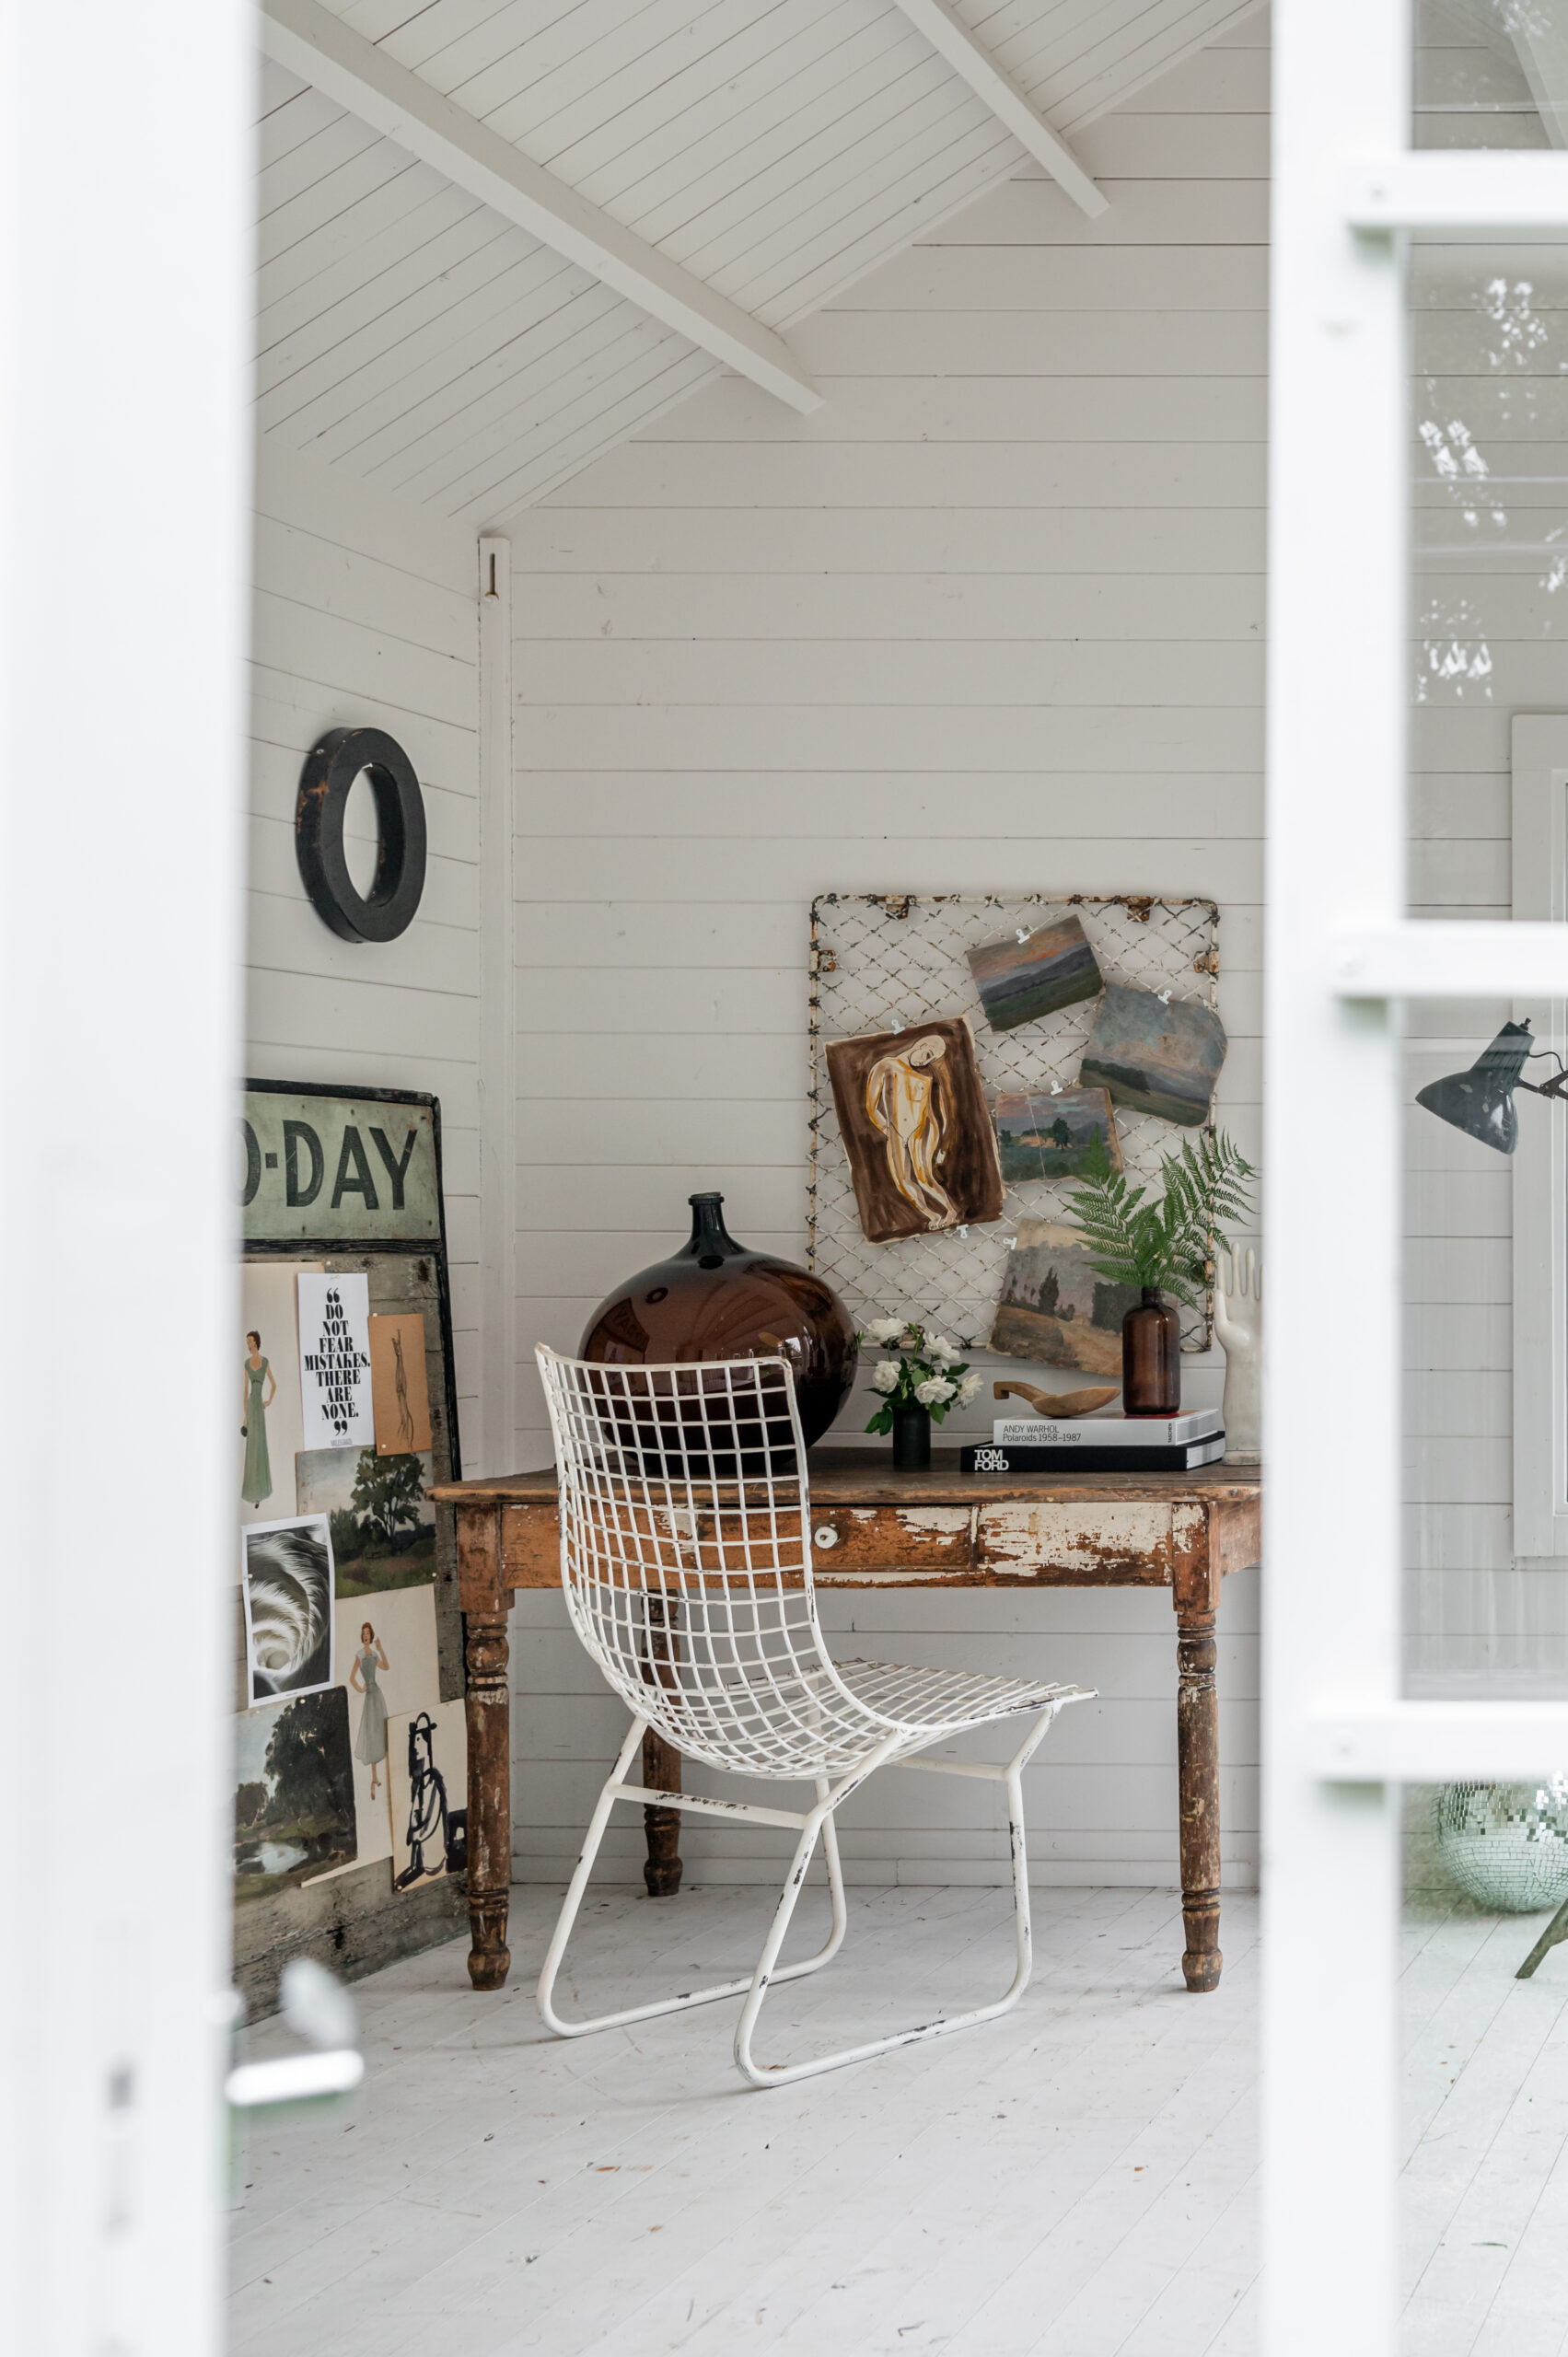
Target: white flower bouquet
[[926, 1372]]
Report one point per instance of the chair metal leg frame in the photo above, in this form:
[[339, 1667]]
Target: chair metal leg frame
[[617, 1789], [780, 2074], [816, 1821]]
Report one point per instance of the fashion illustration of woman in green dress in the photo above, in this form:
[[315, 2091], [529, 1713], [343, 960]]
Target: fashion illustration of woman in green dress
[[370, 1743], [260, 1390]]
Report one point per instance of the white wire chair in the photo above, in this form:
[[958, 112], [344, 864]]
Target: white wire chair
[[686, 1559]]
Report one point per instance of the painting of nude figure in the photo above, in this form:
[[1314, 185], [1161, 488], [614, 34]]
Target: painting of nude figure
[[916, 1129]]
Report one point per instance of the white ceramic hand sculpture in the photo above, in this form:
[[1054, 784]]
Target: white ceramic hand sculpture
[[1239, 1328]]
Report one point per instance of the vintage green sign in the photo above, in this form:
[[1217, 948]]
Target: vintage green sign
[[339, 1171]]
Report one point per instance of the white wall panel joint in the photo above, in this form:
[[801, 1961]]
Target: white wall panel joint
[[497, 1051]]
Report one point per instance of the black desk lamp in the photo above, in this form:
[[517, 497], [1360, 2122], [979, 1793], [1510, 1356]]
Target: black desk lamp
[[1481, 1101]]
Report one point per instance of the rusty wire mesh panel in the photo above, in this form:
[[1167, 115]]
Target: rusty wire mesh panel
[[881, 961]]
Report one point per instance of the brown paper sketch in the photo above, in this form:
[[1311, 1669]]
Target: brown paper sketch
[[399, 1394]]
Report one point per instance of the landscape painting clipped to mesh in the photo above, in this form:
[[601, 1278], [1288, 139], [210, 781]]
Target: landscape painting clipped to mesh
[[891, 963], [1054, 1309], [1050, 1137], [1035, 971], [1156, 1056]]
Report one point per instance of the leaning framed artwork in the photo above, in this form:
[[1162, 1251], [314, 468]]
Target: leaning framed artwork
[[346, 1397]]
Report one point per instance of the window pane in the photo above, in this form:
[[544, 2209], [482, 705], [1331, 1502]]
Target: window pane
[[1484, 2183], [1485, 2192], [1489, 74]]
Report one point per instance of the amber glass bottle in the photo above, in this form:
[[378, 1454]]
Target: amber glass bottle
[[1151, 1358]]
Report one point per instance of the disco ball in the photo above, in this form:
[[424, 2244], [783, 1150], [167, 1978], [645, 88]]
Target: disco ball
[[1505, 1845]]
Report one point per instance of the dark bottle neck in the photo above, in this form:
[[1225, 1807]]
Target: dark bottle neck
[[711, 1240], [1152, 1297]]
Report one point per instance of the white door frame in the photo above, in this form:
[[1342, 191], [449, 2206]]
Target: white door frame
[[126, 151], [1539, 807], [1342, 957]]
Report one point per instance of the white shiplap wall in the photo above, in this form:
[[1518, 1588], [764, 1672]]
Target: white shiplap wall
[[365, 613], [991, 620]]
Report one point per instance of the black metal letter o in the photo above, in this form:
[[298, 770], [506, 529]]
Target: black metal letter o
[[331, 768]]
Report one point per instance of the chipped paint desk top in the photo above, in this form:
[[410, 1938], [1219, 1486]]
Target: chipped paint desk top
[[842, 1476], [875, 1526]]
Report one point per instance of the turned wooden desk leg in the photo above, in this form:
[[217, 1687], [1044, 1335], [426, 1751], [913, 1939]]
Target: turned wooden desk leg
[[1198, 1768], [661, 1761], [661, 1869], [489, 1796]]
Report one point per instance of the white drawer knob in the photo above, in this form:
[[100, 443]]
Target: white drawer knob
[[824, 1534]]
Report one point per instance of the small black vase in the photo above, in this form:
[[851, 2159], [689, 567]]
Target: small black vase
[[1151, 1358], [912, 1438]]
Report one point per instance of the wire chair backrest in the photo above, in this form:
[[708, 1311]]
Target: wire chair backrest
[[686, 1555]]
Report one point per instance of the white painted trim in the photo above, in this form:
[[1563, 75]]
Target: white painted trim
[[1337, 1738], [353, 72], [1335, 863], [1435, 1743], [497, 1017], [125, 322], [1466, 190], [973, 63], [1451, 959], [1540, 1164]]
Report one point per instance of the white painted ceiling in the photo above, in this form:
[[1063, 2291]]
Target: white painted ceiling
[[777, 149]]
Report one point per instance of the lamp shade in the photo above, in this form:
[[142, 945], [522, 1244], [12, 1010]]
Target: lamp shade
[[1481, 1101]]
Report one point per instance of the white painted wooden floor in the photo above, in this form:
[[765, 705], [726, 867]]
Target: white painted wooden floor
[[1075, 2181], [1485, 2189]]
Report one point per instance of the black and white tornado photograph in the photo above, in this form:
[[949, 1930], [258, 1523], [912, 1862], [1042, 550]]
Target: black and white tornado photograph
[[287, 1577]]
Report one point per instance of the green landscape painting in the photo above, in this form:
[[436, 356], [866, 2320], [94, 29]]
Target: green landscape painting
[[1155, 1057], [382, 1523], [1019, 981], [1054, 1309], [294, 1794], [1047, 1137]]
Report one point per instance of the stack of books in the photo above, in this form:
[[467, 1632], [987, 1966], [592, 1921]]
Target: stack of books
[[1100, 1443]]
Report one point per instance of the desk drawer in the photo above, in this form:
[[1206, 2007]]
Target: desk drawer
[[921, 1542], [530, 1547], [1097, 1543]]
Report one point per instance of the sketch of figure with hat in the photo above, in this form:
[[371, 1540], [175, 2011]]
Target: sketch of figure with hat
[[437, 1834]]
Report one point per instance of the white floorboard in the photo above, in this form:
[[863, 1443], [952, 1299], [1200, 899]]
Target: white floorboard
[[1075, 2181]]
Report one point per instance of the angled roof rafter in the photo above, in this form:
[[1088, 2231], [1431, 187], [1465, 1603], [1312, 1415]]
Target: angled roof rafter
[[1542, 46], [969, 59], [357, 75]]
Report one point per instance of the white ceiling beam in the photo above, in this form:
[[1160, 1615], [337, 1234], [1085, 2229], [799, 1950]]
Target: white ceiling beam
[[351, 71], [952, 40], [1542, 45]]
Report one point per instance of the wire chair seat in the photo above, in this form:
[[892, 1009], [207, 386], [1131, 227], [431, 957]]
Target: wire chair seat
[[945, 1702], [829, 1721], [686, 1564]]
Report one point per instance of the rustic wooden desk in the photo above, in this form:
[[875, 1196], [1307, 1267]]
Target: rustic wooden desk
[[874, 1527]]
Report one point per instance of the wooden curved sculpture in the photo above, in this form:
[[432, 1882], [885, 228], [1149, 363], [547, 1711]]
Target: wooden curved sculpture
[[1057, 1403]]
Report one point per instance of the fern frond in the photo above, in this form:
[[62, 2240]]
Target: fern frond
[[1166, 1244]]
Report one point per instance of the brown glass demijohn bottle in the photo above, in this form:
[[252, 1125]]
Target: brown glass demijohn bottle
[[1151, 1358], [715, 1299]]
